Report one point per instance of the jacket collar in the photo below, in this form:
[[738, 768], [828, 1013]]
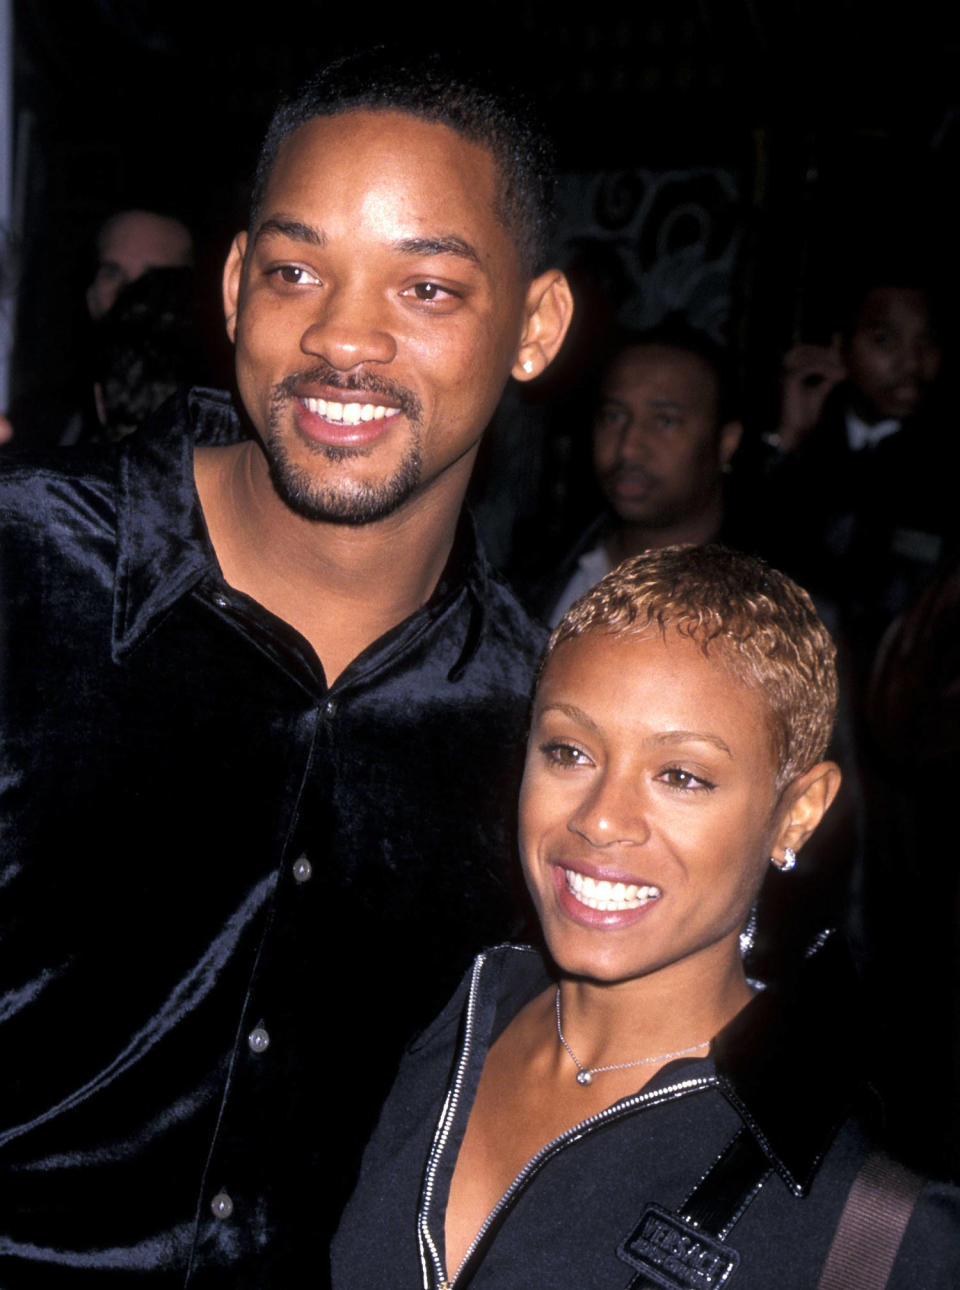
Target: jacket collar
[[789, 1062], [164, 551]]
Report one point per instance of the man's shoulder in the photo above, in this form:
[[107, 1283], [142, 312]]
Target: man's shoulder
[[511, 634], [51, 487]]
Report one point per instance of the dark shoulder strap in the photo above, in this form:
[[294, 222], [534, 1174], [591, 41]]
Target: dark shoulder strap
[[698, 1228], [871, 1226]]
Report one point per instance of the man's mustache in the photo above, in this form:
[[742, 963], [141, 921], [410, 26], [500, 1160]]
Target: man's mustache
[[359, 382]]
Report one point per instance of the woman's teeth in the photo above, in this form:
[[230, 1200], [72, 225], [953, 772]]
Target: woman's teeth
[[605, 895]]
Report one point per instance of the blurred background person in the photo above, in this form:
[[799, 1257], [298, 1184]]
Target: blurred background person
[[128, 244], [859, 505], [145, 348], [664, 434]]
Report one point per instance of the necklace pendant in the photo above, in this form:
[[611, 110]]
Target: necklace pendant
[[584, 1077]]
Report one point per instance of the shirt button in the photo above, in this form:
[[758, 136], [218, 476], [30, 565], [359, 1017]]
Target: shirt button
[[330, 708], [221, 1206], [258, 1039], [302, 870]]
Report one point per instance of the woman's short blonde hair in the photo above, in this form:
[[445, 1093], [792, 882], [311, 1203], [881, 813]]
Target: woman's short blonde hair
[[755, 620]]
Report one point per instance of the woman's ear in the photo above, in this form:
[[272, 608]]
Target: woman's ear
[[547, 313], [804, 803]]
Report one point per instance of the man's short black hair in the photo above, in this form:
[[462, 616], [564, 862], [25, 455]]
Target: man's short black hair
[[430, 87], [901, 272], [674, 332]]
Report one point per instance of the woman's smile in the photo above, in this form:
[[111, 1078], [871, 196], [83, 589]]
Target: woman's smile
[[649, 804]]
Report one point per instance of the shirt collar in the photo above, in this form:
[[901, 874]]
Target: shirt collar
[[164, 550], [861, 435]]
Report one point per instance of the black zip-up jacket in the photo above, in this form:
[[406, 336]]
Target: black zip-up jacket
[[783, 1071]]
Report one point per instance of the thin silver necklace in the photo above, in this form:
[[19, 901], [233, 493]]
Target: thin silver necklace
[[585, 1074]]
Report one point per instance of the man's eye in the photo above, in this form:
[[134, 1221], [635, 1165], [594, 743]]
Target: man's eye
[[610, 418], [296, 275], [429, 291]]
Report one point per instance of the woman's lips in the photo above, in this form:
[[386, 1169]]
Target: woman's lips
[[608, 900]]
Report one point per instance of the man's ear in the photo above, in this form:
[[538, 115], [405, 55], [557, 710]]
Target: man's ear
[[804, 805], [730, 436], [547, 313], [232, 274]]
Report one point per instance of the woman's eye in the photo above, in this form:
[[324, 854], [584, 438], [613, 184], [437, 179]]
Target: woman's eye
[[564, 755], [677, 777]]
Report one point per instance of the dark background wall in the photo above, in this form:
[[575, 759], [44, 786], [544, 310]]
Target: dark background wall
[[781, 136]]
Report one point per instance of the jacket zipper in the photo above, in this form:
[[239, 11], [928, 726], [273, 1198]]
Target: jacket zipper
[[428, 1250], [429, 1255]]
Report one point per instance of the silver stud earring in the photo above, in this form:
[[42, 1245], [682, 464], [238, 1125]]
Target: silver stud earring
[[789, 860], [527, 365]]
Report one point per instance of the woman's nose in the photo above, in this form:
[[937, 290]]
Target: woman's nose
[[612, 814]]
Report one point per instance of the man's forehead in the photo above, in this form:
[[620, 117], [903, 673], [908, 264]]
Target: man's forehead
[[413, 184], [640, 366], [883, 303], [392, 132]]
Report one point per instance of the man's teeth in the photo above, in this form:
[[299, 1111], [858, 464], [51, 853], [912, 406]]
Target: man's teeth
[[348, 414], [605, 895]]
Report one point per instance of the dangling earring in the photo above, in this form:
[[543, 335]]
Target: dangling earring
[[789, 860], [749, 934]]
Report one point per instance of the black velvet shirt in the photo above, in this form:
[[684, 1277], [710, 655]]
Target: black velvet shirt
[[208, 858]]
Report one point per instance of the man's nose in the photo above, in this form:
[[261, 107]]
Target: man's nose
[[635, 441], [349, 328], [613, 813]]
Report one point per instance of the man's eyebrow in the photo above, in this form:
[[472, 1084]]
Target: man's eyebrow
[[446, 245], [294, 229]]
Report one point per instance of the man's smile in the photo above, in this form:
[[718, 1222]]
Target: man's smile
[[348, 414]]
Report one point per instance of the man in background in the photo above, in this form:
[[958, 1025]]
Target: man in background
[[663, 435]]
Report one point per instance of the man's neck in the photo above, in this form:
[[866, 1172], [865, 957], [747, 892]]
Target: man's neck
[[341, 586], [632, 539]]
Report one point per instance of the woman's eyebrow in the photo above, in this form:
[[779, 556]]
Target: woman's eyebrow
[[686, 736], [573, 712]]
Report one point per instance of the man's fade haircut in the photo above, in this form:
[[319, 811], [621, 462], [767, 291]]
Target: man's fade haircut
[[431, 88], [674, 332], [755, 620]]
